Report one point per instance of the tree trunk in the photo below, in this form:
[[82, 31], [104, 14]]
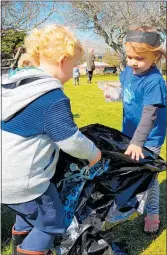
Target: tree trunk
[[122, 59], [16, 58], [121, 55]]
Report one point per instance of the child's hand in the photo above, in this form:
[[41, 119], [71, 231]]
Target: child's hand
[[134, 151], [95, 160], [112, 93]]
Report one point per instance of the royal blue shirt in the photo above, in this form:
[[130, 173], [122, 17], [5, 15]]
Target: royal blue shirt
[[148, 88]]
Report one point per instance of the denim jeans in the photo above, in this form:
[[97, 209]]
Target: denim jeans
[[44, 217]]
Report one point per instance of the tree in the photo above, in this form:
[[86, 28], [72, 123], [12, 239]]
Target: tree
[[164, 69], [25, 15], [111, 58], [11, 40], [83, 59], [18, 17], [111, 20]]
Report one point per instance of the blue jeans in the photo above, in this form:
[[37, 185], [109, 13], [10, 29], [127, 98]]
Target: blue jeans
[[44, 217]]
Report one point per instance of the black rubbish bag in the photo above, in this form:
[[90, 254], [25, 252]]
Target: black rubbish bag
[[82, 239], [111, 191]]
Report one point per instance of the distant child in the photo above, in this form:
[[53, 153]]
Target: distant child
[[37, 123], [144, 105], [76, 75]]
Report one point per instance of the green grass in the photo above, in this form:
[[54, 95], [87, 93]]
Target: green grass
[[88, 107]]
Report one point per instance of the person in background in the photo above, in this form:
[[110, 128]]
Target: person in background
[[90, 65], [36, 123], [76, 75]]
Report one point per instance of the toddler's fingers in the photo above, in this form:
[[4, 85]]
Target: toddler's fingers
[[128, 151], [133, 155], [137, 156], [142, 155]]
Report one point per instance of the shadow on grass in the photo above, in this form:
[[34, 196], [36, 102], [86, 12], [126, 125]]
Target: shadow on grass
[[131, 232]]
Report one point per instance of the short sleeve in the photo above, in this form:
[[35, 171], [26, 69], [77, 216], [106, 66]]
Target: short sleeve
[[122, 75], [59, 123], [155, 92]]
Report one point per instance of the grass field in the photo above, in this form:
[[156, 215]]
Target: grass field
[[88, 107]]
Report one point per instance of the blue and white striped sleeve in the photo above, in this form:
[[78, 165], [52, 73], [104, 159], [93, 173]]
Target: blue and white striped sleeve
[[59, 123], [60, 127]]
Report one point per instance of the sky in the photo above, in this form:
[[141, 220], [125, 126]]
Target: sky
[[96, 42], [88, 38], [60, 16]]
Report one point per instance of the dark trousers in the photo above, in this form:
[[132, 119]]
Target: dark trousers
[[90, 74]]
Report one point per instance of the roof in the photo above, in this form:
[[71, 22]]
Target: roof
[[97, 64]]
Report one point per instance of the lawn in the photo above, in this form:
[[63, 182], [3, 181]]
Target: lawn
[[88, 106]]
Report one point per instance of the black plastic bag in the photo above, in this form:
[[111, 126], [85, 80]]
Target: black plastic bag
[[113, 190]]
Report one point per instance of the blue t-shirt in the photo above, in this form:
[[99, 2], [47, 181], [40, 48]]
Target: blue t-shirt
[[148, 88]]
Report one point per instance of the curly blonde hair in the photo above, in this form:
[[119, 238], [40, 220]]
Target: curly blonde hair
[[144, 47], [51, 42], [26, 61]]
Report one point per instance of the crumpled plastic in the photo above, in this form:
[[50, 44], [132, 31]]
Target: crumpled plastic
[[112, 90], [95, 199]]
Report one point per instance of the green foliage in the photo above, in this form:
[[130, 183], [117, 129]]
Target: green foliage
[[164, 68], [111, 59], [11, 40]]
